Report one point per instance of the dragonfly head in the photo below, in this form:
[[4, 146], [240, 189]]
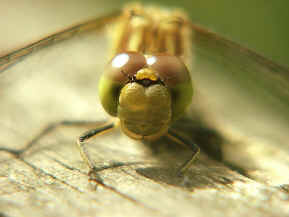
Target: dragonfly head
[[146, 93]]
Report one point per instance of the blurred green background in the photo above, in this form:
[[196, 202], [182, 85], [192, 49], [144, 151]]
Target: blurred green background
[[261, 25]]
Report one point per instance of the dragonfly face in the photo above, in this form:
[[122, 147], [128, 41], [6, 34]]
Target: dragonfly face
[[145, 92]]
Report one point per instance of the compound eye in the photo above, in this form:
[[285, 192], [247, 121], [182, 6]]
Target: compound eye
[[124, 65], [175, 75], [171, 69]]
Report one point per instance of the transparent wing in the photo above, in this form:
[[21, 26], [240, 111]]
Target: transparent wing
[[240, 110], [245, 91], [15, 56], [52, 79]]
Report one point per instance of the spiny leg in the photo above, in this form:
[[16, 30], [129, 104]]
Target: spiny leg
[[82, 148], [79, 123], [184, 141]]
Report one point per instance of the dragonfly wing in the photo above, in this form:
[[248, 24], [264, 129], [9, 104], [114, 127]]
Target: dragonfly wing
[[240, 111], [241, 88], [55, 83], [95, 24]]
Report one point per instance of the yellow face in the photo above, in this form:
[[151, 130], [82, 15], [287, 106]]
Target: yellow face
[[144, 112]]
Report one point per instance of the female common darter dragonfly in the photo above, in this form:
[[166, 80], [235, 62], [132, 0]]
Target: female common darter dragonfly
[[147, 83]]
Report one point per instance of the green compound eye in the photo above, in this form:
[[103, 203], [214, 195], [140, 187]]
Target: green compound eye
[[146, 93]]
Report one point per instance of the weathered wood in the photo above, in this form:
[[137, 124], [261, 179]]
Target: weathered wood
[[235, 174]]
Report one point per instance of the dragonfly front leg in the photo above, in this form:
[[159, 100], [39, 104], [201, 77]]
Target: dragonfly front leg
[[82, 142], [183, 141]]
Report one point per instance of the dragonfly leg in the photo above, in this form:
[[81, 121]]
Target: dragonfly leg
[[48, 129], [184, 141], [82, 142]]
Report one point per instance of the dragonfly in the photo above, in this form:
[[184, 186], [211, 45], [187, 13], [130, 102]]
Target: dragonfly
[[154, 69]]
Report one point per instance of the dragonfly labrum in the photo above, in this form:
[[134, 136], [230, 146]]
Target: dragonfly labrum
[[150, 77]]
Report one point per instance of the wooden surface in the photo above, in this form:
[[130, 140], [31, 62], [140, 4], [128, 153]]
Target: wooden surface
[[238, 173]]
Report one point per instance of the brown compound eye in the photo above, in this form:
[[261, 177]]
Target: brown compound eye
[[171, 69], [175, 75], [124, 65]]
